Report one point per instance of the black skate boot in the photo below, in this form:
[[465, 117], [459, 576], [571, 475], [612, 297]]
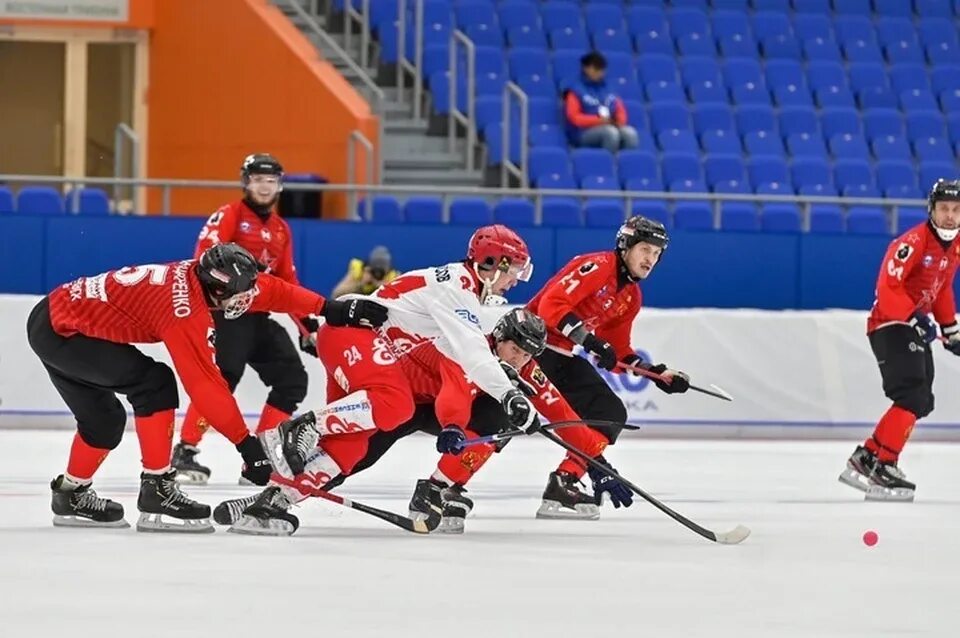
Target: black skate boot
[[888, 483], [79, 506], [185, 463], [229, 512], [456, 506], [426, 504], [164, 508], [563, 499], [267, 516], [288, 445], [860, 466]]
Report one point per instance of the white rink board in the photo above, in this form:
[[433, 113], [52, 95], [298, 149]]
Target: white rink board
[[792, 373]]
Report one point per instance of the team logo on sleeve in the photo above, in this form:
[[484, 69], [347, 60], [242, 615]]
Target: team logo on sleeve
[[904, 250], [588, 268], [468, 316], [539, 377]]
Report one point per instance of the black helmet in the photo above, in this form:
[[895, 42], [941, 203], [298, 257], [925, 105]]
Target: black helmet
[[640, 229], [227, 272], [524, 328], [943, 191], [260, 164]]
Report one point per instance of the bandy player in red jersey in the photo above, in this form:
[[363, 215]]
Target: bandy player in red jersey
[[592, 302], [367, 389], [253, 339], [916, 280], [83, 331]]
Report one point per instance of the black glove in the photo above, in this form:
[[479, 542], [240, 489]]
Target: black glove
[[451, 440], [518, 382], [679, 384], [256, 465], [606, 357], [519, 412], [951, 337], [619, 493], [354, 312], [308, 339], [920, 321]]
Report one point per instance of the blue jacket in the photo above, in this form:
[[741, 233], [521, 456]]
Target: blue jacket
[[592, 96]]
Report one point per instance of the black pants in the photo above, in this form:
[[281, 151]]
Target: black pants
[[906, 366], [256, 340], [486, 417], [89, 374], [585, 390]]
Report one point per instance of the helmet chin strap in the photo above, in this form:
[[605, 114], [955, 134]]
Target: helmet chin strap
[[946, 234], [487, 297]]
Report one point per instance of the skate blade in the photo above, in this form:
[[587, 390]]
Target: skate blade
[[890, 495], [60, 520], [450, 525], [245, 482], [272, 442], [255, 527], [854, 479], [581, 512], [191, 477], [168, 525]]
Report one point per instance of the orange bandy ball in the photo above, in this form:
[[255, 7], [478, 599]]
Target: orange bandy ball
[[870, 538]]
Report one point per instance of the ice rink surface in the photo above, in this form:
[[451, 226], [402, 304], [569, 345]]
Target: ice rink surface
[[635, 573]]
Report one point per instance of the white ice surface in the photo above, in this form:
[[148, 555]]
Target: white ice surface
[[635, 573]]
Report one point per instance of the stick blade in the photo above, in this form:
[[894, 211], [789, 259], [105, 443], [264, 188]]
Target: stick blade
[[724, 394], [734, 537]]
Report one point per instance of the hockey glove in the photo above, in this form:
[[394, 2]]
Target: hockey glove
[[451, 440], [519, 412], [920, 321], [256, 466], [361, 313], [308, 339], [606, 357], [518, 382], [678, 384], [951, 338], [604, 483]]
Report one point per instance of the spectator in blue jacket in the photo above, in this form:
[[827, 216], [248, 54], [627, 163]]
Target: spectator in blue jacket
[[595, 114]]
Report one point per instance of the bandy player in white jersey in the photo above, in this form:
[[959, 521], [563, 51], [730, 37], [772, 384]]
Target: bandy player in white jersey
[[367, 390]]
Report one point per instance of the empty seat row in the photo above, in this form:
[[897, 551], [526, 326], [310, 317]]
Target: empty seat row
[[46, 200]]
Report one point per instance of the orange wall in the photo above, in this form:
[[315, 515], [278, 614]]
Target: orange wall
[[232, 77], [140, 16]]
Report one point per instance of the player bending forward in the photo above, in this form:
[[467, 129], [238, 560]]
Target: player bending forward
[[367, 389], [83, 332], [592, 302], [916, 279]]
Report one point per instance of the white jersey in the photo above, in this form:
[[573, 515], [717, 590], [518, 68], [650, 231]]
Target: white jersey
[[440, 306]]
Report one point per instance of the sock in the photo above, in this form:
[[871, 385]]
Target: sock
[[891, 434], [573, 465], [84, 460], [270, 418], [591, 442], [155, 433], [460, 468], [193, 427]]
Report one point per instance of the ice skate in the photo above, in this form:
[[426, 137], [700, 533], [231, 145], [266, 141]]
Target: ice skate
[[164, 508], [456, 506], [266, 516], [427, 502], [564, 500], [229, 512], [288, 444], [77, 505], [860, 466], [185, 463], [888, 483]]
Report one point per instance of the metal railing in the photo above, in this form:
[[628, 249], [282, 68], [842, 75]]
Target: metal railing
[[404, 65], [507, 166], [119, 134], [378, 98], [448, 193], [468, 119], [362, 18], [356, 137]]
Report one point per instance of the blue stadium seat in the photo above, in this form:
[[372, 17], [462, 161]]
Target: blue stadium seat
[[653, 209], [592, 161], [849, 146], [807, 145], [425, 213], [657, 68], [861, 191], [892, 8], [518, 13], [894, 173], [574, 38], [818, 190], [771, 5], [824, 74], [741, 71], [925, 124], [811, 6], [731, 5], [810, 172], [877, 97], [737, 46], [850, 172], [650, 184], [678, 141], [514, 212], [547, 135], [792, 95], [953, 127], [470, 211], [733, 186], [528, 61], [638, 165], [599, 183], [867, 220], [679, 167], [767, 169], [943, 53], [545, 160], [723, 168], [6, 201], [851, 28], [555, 181], [821, 50], [890, 148], [775, 188], [908, 76], [918, 100], [612, 40], [933, 149], [730, 23], [90, 201], [833, 97], [739, 217], [561, 211], [493, 136], [826, 218], [483, 34], [763, 143], [687, 186], [708, 92], [383, 210], [930, 172], [538, 86], [755, 117], [837, 121], [526, 36], [603, 213], [903, 192], [665, 92], [768, 24], [750, 94], [714, 117], [603, 16], [666, 116], [798, 119], [950, 100], [867, 75], [566, 66], [39, 200], [780, 218], [693, 216], [933, 8], [880, 122], [808, 26], [560, 15], [721, 141], [907, 218]]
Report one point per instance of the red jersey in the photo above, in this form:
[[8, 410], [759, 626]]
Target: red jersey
[[598, 292], [916, 275], [269, 240], [166, 303]]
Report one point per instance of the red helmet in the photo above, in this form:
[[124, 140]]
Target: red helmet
[[497, 247]]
